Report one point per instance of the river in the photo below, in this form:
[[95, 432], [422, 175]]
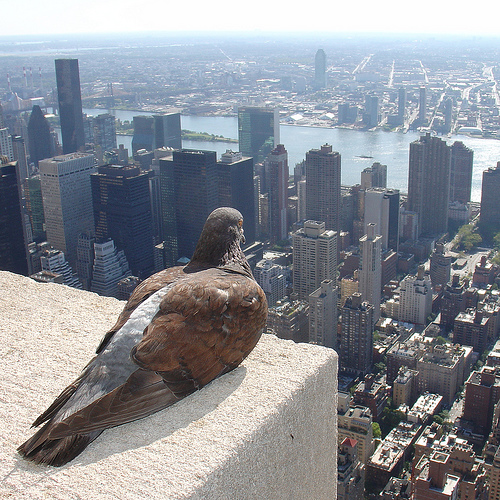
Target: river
[[389, 148]]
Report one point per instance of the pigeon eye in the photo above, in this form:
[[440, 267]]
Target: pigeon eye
[[240, 223]]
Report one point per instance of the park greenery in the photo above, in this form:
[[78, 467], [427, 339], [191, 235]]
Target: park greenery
[[467, 238]]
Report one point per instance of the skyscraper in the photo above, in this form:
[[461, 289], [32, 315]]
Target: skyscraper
[[371, 115], [429, 184], [19, 151], [381, 206], [314, 257], [323, 315], [105, 131], [489, 220], [196, 195], [370, 268], [258, 131], [70, 105], [276, 172], [323, 195], [461, 172], [320, 69], [122, 212], [356, 344], [13, 255], [167, 131], [143, 133], [39, 138], [168, 212], [374, 176], [67, 200], [236, 188], [415, 299], [6, 144]]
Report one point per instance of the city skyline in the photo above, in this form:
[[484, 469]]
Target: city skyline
[[369, 17]]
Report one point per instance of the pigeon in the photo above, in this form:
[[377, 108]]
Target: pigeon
[[181, 328]]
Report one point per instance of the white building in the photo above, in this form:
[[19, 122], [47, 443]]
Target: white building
[[271, 277], [54, 261], [110, 266], [370, 268], [415, 298], [314, 257], [6, 148], [67, 199], [323, 315]]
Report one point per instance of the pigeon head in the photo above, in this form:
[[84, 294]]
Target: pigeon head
[[219, 243]]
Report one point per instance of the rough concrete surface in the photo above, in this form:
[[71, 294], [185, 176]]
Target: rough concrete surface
[[267, 430]]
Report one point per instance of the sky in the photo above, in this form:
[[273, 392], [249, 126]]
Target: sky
[[35, 17]]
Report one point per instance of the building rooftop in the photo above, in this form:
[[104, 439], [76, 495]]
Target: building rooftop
[[243, 436]]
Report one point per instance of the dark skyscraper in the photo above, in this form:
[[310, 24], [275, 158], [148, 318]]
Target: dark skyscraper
[[122, 212], [143, 133], [461, 172], [104, 129], [196, 194], [323, 196], [236, 188], [422, 106], [167, 131], [12, 245], [320, 69], [70, 105], [168, 212], [258, 132], [429, 184], [39, 137], [276, 172]]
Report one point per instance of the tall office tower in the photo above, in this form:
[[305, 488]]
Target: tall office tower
[[67, 199], [236, 188], [320, 69], [374, 176], [122, 212], [371, 114], [276, 172], [19, 151], [256, 205], [415, 298], [401, 104], [143, 137], [110, 266], [258, 131], [13, 256], [196, 195], [105, 131], [168, 212], [314, 257], [323, 186], [370, 268], [429, 184], [323, 315], [448, 115], [301, 194], [422, 105], [70, 105], [381, 206], [6, 144], [356, 341], [39, 138], [2, 121], [440, 266], [85, 258], [34, 206], [461, 172], [167, 131], [88, 129], [489, 219]]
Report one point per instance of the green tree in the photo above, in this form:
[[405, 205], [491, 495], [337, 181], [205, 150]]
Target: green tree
[[468, 238], [377, 433]]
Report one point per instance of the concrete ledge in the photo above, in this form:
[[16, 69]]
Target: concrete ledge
[[266, 430]]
